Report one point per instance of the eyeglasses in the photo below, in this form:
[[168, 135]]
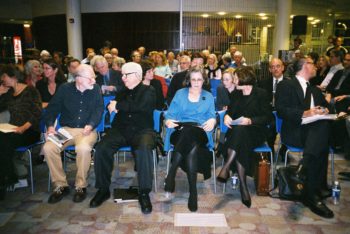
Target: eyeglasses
[[196, 80], [126, 74], [275, 66], [310, 63]]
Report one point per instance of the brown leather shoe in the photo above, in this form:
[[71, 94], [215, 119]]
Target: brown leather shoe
[[80, 194], [58, 193]]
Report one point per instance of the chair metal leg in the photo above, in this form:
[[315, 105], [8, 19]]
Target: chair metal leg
[[155, 170], [332, 167], [272, 170], [31, 171], [285, 158], [214, 170], [49, 183]]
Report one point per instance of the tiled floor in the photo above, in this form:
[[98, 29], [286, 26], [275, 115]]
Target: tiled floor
[[23, 212]]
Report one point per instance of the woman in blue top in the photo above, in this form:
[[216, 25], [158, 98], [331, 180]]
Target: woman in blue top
[[191, 117]]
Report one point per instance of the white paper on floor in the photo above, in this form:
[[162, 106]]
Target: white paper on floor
[[199, 220]]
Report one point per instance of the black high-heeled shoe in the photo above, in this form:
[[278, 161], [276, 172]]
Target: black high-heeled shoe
[[224, 174], [193, 202], [245, 197]]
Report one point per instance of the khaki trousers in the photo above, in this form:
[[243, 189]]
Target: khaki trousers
[[83, 147]]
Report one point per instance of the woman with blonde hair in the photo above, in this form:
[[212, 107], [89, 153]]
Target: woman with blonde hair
[[162, 68], [212, 69], [323, 67], [224, 90]]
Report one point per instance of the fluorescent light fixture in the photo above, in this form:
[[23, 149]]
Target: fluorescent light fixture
[[238, 16], [269, 25], [221, 13], [26, 25], [317, 20], [205, 15], [261, 14], [264, 18], [310, 18]]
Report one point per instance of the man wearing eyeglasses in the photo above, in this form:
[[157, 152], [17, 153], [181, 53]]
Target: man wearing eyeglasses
[[80, 106], [276, 68], [296, 99], [132, 126]]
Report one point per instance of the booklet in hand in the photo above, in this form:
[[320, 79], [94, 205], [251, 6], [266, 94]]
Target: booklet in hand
[[6, 127], [237, 121], [60, 137], [122, 195]]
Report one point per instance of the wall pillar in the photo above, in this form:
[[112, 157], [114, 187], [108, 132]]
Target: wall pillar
[[74, 32]]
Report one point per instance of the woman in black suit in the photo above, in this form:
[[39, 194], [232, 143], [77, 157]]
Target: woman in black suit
[[252, 104]]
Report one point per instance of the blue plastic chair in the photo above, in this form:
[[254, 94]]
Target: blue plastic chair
[[106, 100], [264, 148], [29, 148], [294, 149], [214, 83], [156, 126], [168, 147]]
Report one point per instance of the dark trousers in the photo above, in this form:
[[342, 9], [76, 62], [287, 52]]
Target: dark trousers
[[315, 137], [9, 143], [141, 143]]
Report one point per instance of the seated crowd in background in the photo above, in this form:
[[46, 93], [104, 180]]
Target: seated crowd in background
[[181, 85]]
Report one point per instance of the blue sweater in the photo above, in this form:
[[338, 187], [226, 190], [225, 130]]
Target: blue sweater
[[183, 110]]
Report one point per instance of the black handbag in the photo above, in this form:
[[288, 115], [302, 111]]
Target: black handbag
[[290, 184]]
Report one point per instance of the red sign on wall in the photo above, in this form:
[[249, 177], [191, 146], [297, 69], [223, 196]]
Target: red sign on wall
[[17, 47]]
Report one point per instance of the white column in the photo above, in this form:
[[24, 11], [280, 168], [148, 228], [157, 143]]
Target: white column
[[282, 31], [74, 34]]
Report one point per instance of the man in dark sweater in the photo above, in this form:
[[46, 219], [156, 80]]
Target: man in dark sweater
[[132, 126], [80, 106]]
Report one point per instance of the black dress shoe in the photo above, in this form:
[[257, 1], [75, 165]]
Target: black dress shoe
[[145, 203], [80, 194], [101, 196], [58, 194], [325, 193], [344, 173], [318, 207]]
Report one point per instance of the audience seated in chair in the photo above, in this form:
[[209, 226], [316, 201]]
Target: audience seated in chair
[[24, 105], [194, 106], [296, 99], [252, 105], [80, 106], [132, 126]]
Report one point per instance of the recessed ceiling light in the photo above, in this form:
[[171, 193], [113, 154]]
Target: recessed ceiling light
[[264, 18], [26, 25], [291, 16], [205, 15], [221, 13], [238, 16], [310, 18], [269, 25], [317, 20], [261, 14]]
